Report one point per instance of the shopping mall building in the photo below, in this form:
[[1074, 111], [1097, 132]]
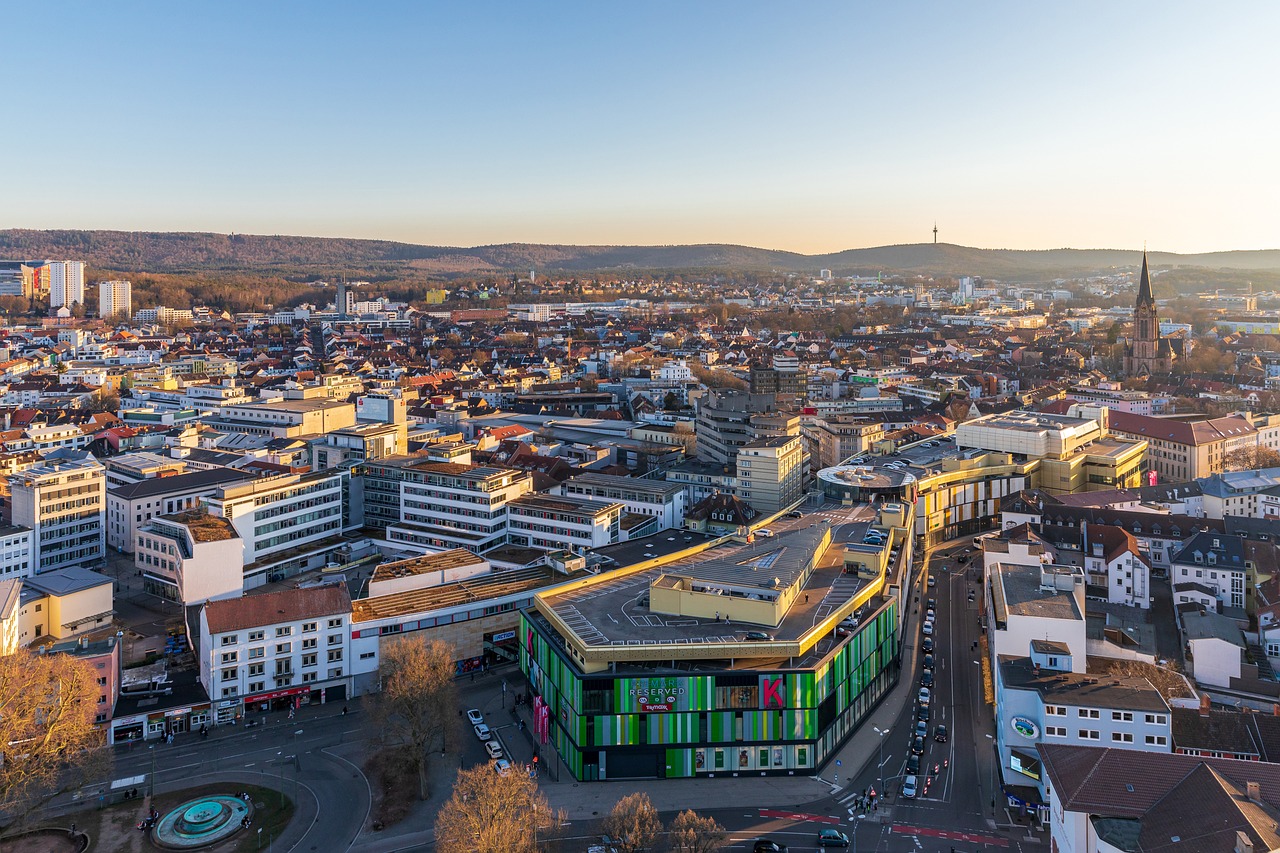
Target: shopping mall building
[[743, 659]]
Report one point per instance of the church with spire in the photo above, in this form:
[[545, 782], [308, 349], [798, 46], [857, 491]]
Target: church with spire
[[1147, 354]]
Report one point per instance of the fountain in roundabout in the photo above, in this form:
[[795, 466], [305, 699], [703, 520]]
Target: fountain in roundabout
[[200, 822]]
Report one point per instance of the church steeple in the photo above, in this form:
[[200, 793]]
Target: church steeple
[[1144, 285]]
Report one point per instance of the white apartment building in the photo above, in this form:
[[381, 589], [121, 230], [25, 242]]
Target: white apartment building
[[661, 500], [1215, 564], [771, 472], [66, 283], [1036, 602], [16, 557], [1040, 700], [131, 506], [64, 502], [562, 523], [46, 439], [276, 650], [115, 299], [447, 505], [190, 557], [290, 523]]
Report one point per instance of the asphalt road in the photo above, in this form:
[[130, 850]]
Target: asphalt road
[[956, 813], [300, 754]]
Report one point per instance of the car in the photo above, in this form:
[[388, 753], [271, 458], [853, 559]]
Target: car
[[932, 581], [795, 513], [928, 662], [917, 746], [475, 717], [832, 838], [493, 748], [913, 765], [927, 628], [932, 604], [962, 559], [910, 786], [922, 729], [922, 713], [923, 696], [927, 645], [756, 635], [926, 679], [971, 598], [502, 767], [768, 845], [765, 533], [482, 731], [940, 734]]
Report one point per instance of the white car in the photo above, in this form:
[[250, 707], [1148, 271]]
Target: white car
[[765, 533], [927, 629], [475, 717], [502, 766], [909, 787], [923, 696], [482, 731], [493, 748]]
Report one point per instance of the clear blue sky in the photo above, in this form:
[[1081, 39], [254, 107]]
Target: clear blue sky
[[808, 126]]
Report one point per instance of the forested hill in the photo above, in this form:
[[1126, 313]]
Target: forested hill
[[198, 252]]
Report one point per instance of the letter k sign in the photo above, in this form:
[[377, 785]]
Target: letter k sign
[[771, 693]]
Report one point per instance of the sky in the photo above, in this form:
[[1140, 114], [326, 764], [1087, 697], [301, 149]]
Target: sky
[[811, 127]]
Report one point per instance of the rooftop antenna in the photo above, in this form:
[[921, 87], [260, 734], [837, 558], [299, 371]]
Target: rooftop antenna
[[935, 232]]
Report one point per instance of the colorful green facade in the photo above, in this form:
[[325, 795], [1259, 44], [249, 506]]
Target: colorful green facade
[[757, 722]]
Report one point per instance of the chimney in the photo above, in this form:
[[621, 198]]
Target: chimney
[[1244, 844], [1205, 703], [1255, 791]]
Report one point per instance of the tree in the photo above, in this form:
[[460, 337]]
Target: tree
[[492, 813], [1250, 458], [415, 710], [634, 820], [49, 742], [692, 833], [671, 402], [104, 403]]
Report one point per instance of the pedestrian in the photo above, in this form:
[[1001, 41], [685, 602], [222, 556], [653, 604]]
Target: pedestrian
[[73, 827], [344, 710], [473, 676], [806, 598]]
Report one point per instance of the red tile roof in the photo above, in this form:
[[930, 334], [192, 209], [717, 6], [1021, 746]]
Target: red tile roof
[[272, 608]]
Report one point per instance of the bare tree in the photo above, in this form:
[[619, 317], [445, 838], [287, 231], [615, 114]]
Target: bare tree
[[493, 813], [1250, 458], [634, 821], [415, 710], [48, 740], [690, 832]]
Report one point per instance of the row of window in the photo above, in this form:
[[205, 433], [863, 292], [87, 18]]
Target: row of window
[[1116, 737], [1116, 716]]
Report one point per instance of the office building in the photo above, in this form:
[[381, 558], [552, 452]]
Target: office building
[[771, 472], [663, 501], [1178, 450], [446, 505], [562, 523], [64, 502], [115, 299], [190, 557], [290, 523], [131, 506], [17, 278]]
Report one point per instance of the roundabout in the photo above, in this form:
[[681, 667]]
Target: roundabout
[[201, 822]]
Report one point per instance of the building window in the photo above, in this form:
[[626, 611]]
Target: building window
[[1122, 716], [1157, 740], [230, 674], [1055, 731], [335, 639], [256, 652], [308, 660], [256, 669], [230, 639], [1088, 713], [283, 648], [309, 642], [335, 623], [1122, 737], [1088, 734], [229, 657], [256, 635], [1055, 710], [1157, 719], [308, 627], [335, 654], [284, 631]]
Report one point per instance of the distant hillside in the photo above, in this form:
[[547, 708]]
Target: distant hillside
[[198, 252]]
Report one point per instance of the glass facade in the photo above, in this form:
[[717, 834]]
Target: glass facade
[[762, 722]]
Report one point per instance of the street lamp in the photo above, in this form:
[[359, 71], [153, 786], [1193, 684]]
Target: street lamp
[[880, 766]]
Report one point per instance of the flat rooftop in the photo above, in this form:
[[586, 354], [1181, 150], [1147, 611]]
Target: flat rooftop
[[470, 591], [442, 561], [203, 526], [609, 612], [1019, 593]]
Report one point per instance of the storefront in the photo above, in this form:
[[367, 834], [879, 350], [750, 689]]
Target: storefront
[[291, 698], [160, 724]]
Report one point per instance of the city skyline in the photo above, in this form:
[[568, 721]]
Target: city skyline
[[836, 127]]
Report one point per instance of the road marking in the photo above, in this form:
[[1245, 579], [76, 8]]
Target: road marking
[[800, 816]]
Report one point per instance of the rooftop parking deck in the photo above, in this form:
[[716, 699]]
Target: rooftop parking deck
[[612, 612]]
